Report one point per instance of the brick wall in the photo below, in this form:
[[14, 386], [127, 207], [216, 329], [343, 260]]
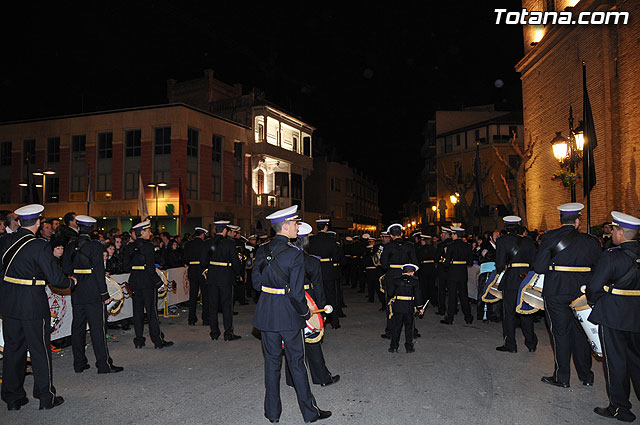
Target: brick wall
[[227, 176], [206, 181], [117, 172], [178, 166], [65, 169]]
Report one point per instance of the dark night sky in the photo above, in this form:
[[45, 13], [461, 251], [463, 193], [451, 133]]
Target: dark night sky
[[366, 77]]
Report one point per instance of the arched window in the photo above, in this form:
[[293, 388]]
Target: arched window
[[260, 182]]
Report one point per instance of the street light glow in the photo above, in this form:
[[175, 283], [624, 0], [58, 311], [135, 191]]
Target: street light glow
[[560, 146], [453, 199]]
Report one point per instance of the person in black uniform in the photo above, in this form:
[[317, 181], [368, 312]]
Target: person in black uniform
[[348, 260], [325, 246], [313, 355], [458, 257], [83, 259], [26, 263], [197, 283], [426, 255], [488, 255], [395, 254], [515, 255], [442, 268], [358, 251], [250, 252], [370, 263], [144, 282], [238, 287], [378, 250], [282, 309], [566, 258], [220, 257], [404, 295], [615, 291]]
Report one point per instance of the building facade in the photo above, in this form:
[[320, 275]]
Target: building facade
[[101, 156], [551, 73]]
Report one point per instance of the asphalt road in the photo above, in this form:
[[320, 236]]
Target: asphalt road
[[454, 377]]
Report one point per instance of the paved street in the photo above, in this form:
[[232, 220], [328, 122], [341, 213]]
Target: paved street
[[454, 377]]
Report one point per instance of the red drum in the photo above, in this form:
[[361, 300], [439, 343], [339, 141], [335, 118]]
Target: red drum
[[315, 325]]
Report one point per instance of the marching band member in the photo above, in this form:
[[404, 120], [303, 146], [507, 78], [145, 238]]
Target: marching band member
[[445, 240], [515, 255], [320, 375], [282, 309], [566, 258], [615, 290], [426, 255], [25, 311], [83, 258], [145, 283], [371, 262], [457, 258], [250, 249], [197, 283], [404, 296]]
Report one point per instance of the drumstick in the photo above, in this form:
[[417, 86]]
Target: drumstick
[[327, 309]]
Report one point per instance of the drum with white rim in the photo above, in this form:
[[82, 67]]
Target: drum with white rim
[[116, 295], [530, 295], [582, 310]]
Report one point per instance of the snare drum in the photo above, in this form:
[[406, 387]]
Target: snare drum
[[582, 310], [530, 295], [162, 290], [116, 295], [491, 293], [314, 331]]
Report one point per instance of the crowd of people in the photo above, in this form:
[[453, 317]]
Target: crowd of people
[[403, 273]]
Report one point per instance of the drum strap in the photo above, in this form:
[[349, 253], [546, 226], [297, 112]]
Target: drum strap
[[516, 248], [269, 262], [8, 256], [564, 242], [77, 249], [632, 270]]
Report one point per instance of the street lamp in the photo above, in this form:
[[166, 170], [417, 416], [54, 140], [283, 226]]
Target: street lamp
[[453, 199], [44, 175], [156, 186], [568, 151]]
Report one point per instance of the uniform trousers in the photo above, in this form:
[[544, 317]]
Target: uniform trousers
[[332, 295], [397, 321], [458, 289], [315, 361], [94, 314], [198, 284], [372, 284], [221, 298], [442, 295], [272, 342], [621, 350], [509, 302], [568, 339], [146, 299], [20, 336]]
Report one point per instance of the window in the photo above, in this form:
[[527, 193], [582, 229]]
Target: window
[[29, 151], [193, 137], [78, 183], [306, 145], [216, 151], [103, 183], [105, 145], [131, 185], [476, 135], [237, 154], [457, 140], [192, 185], [282, 184], [53, 150], [260, 133], [296, 186], [335, 185], [448, 144], [163, 141], [237, 191], [217, 188], [295, 143], [133, 142], [53, 189], [260, 182], [5, 191], [78, 147], [5, 153]]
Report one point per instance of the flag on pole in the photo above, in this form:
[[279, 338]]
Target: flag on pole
[[478, 170], [184, 211], [89, 188], [142, 200], [590, 142]]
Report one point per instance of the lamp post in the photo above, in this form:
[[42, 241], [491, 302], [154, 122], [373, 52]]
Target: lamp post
[[156, 186], [44, 175], [568, 151]]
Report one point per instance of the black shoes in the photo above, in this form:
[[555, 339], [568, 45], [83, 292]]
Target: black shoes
[[385, 336], [334, 379], [112, 369], [393, 350], [469, 320], [139, 345], [619, 414], [506, 349], [532, 350], [411, 350], [82, 369], [164, 344], [446, 322], [57, 401], [18, 404], [214, 337], [232, 337], [552, 381], [192, 323], [587, 383], [323, 414]]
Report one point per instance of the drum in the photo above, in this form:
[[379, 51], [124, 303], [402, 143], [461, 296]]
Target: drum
[[116, 295], [491, 293], [530, 295], [315, 325], [582, 310], [162, 290]]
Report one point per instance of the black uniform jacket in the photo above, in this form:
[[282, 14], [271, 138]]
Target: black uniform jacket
[[526, 254], [396, 253], [313, 278], [280, 312], [330, 252], [192, 252], [34, 260], [427, 256], [458, 251], [440, 255], [584, 251], [407, 286], [615, 311], [91, 288], [221, 250], [141, 254]]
